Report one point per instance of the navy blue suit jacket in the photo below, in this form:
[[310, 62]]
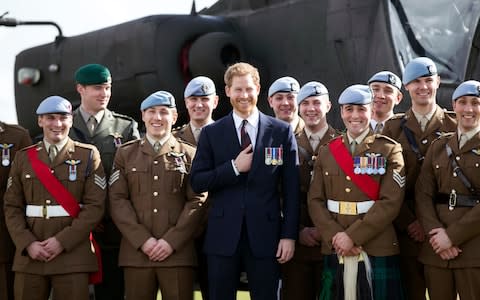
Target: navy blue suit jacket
[[266, 197]]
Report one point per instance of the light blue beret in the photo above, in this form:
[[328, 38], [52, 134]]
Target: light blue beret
[[357, 94], [54, 105], [312, 88], [387, 77], [467, 88], [160, 98], [199, 86], [419, 67], [284, 84]]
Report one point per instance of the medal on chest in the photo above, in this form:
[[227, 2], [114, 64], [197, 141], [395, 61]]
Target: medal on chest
[[273, 156], [117, 139], [6, 154], [72, 168]]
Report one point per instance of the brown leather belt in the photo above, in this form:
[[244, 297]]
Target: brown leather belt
[[454, 199]]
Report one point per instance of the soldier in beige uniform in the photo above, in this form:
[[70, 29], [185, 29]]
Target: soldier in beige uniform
[[301, 276], [415, 130], [355, 194], [282, 98], [447, 197], [12, 139], [386, 88], [55, 196], [154, 207], [200, 100]]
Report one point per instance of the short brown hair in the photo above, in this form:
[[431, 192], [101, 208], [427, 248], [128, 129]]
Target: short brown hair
[[241, 69]]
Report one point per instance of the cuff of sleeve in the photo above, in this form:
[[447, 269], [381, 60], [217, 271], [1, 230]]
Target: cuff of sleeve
[[235, 168]]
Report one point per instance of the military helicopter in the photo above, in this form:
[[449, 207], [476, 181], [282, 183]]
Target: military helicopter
[[338, 43]]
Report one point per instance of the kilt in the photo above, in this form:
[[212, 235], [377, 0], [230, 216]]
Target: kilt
[[386, 279]]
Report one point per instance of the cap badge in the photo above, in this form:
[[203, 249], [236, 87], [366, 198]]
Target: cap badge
[[430, 70], [391, 79], [204, 88]]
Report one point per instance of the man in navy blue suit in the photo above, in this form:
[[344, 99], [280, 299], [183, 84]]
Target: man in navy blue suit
[[247, 161]]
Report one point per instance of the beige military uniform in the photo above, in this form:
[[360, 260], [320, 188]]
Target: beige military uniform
[[440, 122], [185, 133], [462, 224], [301, 276], [12, 139], [372, 230], [150, 196], [25, 192]]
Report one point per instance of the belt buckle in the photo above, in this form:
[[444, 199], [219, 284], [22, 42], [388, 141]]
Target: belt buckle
[[348, 208], [45, 212], [452, 200]]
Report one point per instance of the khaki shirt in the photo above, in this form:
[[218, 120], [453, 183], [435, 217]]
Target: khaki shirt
[[151, 196], [18, 138], [462, 223], [24, 188], [373, 230]]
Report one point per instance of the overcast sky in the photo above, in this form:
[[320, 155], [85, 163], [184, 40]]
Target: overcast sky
[[74, 18]]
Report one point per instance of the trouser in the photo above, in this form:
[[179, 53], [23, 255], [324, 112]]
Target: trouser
[[444, 284], [6, 282], [72, 286], [413, 278], [175, 283], [112, 286], [301, 279]]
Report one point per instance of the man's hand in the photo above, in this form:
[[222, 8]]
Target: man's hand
[[450, 253], [285, 250], [439, 240], [243, 162], [148, 246], [161, 251], [416, 232], [308, 237], [342, 243], [53, 247], [37, 251]]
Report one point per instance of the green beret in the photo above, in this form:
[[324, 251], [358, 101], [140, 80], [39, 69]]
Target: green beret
[[93, 74]]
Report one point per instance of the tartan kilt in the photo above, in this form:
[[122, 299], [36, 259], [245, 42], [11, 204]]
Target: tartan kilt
[[386, 279]]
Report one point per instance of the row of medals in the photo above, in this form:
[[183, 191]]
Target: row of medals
[[273, 156], [371, 165]]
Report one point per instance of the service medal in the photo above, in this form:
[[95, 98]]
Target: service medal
[[268, 156], [6, 154], [280, 156], [375, 166], [117, 139], [369, 165], [356, 165], [180, 165], [274, 156], [363, 165], [72, 168], [381, 165]]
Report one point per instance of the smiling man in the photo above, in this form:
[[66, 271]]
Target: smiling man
[[55, 197], [386, 88], [355, 194], [447, 195], [415, 130], [95, 124], [282, 98], [247, 161], [154, 207]]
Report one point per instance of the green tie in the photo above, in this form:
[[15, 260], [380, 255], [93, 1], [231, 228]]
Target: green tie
[[352, 146], [156, 146]]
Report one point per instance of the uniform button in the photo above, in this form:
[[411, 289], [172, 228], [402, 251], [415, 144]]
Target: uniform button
[[155, 177], [457, 158], [348, 190], [155, 210], [326, 173], [155, 194], [155, 162], [437, 166], [27, 175], [454, 174], [134, 169], [200, 204], [48, 201], [424, 141], [174, 190], [476, 165], [52, 171], [348, 178]]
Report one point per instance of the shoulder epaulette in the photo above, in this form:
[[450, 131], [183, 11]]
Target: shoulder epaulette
[[179, 128], [442, 136], [397, 116], [377, 135], [182, 141], [117, 115], [84, 145], [31, 146]]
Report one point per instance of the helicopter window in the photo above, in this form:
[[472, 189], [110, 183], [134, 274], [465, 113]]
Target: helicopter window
[[442, 30]]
